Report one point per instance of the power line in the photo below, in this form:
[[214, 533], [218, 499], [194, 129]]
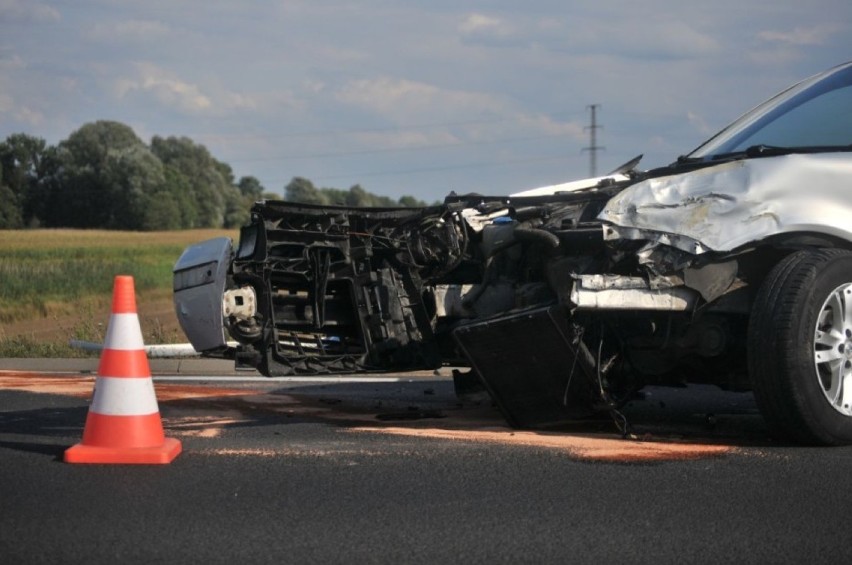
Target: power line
[[491, 164], [397, 149], [400, 128]]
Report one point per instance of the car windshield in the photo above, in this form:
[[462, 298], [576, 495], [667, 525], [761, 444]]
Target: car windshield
[[815, 113]]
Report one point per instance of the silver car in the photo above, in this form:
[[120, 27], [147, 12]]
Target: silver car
[[731, 266]]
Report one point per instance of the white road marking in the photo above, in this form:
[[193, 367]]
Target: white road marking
[[255, 379]]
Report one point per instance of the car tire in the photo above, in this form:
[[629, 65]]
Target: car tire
[[800, 347]]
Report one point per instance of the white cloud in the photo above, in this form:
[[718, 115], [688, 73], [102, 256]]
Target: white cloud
[[166, 88], [238, 101], [803, 36], [130, 30], [449, 118], [775, 56], [663, 37], [578, 32], [12, 111], [28, 12], [28, 116], [11, 63], [407, 139], [473, 23], [313, 86], [210, 98], [699, 123], [482, 74], [336, 54], [403, 100], [489, 30], [549, 126], [6, 101], [17, 107]]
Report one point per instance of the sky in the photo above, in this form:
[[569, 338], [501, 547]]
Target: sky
[[418, 97]]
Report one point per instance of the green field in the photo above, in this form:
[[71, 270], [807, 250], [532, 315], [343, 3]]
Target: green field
[[56, 285]]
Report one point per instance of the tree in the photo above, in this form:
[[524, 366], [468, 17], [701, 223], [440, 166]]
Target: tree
[[206, 181], [411, 202], [357, 197], [21, 160], [162, 211], [10, 212], [91, 145], [236, 209], [250, 187], [303, 191], [180, 194], [137, 181], [105, 177]]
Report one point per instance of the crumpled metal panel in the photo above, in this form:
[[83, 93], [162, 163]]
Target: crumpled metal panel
[[732, 204]]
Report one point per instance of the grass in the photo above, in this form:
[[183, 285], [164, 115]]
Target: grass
[[65, 278]]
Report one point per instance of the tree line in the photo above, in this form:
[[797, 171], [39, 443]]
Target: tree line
[[104, 176]]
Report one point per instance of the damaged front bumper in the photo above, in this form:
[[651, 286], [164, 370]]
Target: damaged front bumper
[[520, 289], [200, 277]]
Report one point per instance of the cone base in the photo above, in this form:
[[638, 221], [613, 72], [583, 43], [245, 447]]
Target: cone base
[[159, 455]]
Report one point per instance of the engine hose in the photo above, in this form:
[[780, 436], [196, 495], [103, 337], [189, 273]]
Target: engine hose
[[536, 235]]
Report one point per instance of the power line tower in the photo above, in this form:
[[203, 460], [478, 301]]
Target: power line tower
[[593, 147]]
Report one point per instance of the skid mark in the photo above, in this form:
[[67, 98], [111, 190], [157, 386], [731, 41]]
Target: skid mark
[[203, 426], [242, 407], [66, 385], [254, 452], [167, 392], [285, 451], [581, 447], [473, 426]]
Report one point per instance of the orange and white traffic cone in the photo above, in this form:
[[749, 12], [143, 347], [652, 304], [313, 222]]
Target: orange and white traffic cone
[[123, 424]]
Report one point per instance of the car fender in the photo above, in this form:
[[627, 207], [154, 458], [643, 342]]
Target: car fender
[[735, 203]]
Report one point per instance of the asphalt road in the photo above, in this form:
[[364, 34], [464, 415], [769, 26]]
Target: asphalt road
[[398, 471]]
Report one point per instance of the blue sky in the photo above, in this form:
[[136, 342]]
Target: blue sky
[[418, 97]]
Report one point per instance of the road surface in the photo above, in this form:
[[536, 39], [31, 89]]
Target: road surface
[[397, 470]]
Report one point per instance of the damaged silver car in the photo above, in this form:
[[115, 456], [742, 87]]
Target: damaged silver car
[[731, 266]]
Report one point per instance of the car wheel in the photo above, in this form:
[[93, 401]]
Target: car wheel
[[800, 347]]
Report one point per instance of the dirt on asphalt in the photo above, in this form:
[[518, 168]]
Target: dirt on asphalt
[[205, 411]]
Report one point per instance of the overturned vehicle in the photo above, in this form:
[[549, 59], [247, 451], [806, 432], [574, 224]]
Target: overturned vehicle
[[731, 266]]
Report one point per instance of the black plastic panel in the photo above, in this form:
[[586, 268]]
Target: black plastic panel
[[528, 363]]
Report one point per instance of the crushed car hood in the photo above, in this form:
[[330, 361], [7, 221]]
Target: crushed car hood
[[574, 186], [729, 205]]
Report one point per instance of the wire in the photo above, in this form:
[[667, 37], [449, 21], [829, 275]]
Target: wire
[[618, 418], [401, 128], [396, 149], [437, 169]]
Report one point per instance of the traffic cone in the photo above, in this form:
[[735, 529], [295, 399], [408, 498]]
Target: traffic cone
[[123, 424]]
